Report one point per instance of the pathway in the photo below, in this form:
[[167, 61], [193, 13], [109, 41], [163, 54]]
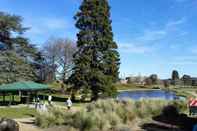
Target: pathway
[[27, 124]]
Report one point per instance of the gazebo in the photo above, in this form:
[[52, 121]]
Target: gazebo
[[27, 90]]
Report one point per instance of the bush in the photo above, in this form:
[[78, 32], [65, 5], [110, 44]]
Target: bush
[[55, 116], [106, 115], [148, 108], [170, 111], [180, 105], [83, 121]]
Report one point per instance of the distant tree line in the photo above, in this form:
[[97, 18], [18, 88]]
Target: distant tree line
[[153, 79], [185, 80]]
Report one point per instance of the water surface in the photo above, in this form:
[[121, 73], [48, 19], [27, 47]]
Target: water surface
[[147, 94]]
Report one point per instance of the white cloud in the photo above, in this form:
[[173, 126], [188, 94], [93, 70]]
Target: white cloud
[[152, 35], [176, 22], [45, 25], [184, 60], [140, 44], [163, 32], [184, 33], [180, 1], [134, 48], [193, 50], [55, 23], [184, 63]]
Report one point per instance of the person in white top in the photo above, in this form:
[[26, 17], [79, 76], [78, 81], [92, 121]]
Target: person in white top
[[69, 103], [49, 99], [44, 108]]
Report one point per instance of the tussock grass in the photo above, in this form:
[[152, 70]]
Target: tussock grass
[[107, 115]]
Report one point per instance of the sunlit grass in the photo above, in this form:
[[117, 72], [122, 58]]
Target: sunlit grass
[[20, 112]]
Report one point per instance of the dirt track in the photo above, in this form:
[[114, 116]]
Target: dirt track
[[27, 124]]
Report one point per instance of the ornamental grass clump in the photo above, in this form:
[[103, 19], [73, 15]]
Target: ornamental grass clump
[[148, 108], [107, 115], [180, 105], [54, 116], [84, 120], [126, 111], [45, 120]]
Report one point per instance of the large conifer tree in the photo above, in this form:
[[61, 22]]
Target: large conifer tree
[[17, 55], [97, 60]]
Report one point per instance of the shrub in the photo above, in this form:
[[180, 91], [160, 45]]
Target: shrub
[[180, 105], [55, 116], [45, 120], [83, 121], [170, 111], [148, 108], [107, 115]]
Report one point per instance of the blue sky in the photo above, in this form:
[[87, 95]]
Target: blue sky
[[154, 36]]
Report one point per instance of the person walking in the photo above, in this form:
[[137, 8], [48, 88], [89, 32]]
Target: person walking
[[38, 104], [69, 103], [49, 100]]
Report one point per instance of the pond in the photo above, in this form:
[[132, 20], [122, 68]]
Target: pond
[[148, 94]]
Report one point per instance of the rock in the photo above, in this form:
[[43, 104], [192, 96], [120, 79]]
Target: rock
[[8, 125]]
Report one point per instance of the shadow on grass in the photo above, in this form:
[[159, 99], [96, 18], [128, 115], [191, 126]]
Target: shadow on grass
[[30, 115], [7, 103], [171, 120]]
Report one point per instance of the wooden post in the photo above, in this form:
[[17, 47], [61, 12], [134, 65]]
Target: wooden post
[[44, 98], [12, 98], [20, 95], [28, 95], [36, 100]]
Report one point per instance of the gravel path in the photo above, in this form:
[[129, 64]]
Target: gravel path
[[27, 124]]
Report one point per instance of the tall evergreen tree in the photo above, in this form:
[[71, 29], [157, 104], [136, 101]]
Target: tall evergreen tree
[[175, 75], [97, 60], [8, 25], [16, 53]]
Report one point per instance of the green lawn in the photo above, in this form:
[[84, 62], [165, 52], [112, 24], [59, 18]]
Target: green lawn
[[186, 92], [122, 87], [20, 112]]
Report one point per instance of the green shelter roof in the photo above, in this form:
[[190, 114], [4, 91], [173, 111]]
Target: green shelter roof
[[23, 86]]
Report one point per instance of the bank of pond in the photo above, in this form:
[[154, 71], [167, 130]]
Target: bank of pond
[[149, 94]]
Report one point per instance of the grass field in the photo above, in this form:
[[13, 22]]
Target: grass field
[[19, 112], [186, 92], [120, 87]]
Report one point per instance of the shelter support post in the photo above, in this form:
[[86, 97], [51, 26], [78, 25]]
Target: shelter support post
[[3, 97], [28, 97], [12, 98]]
